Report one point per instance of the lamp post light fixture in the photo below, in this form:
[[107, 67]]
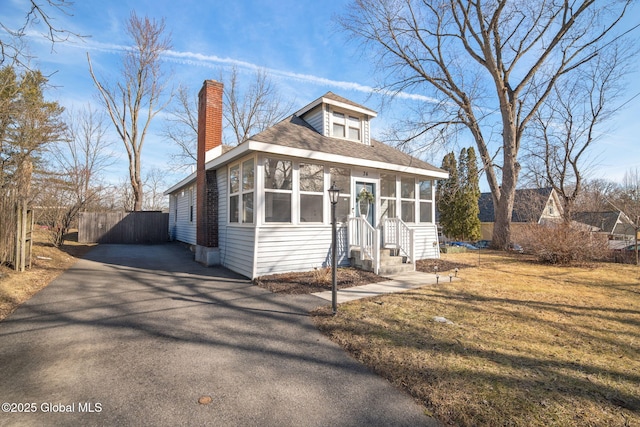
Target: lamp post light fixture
[[334, 192]]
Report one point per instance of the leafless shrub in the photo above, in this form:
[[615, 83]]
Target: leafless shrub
[[322, 275], [563, 243]]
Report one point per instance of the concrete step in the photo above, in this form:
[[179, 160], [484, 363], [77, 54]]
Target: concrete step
[[390, 262], [400, 268]]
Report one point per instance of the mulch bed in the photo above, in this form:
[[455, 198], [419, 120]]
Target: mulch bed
[[319, 280], [428, 265], [316, 280]]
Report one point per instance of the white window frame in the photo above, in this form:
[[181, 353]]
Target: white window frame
[[241, 193], [291, 192], [311, 193], [347, 120], [414, 199], [428, 202], [344, 198]]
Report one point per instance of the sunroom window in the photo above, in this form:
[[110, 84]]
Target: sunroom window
[[388, 196], [342, 178], [277, 190], [241, 191], [426, 201], [407, 199], [311, 192]]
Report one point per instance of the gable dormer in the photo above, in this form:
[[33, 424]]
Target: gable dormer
[[337, 117]]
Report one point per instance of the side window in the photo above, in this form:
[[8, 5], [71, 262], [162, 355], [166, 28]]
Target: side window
[[277, 190], [426, 201], [407, 199], [241, 192], [342, 179], [388, 196], [311, 192]]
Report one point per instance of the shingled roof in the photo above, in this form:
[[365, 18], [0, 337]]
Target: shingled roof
[[528, 205], [294, 132]]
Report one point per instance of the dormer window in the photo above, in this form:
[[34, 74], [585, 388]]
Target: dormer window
[[354, 128], [338, 125], [346, 126]]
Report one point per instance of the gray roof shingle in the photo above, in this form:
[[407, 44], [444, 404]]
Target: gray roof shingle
[[294, 132]]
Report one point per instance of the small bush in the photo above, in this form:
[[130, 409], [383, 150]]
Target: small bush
[[322, 275], [563, 244]]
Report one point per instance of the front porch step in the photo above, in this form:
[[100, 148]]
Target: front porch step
[[390, 262]]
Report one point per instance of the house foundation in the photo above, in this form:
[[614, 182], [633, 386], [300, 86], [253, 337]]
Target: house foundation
[[207, 256]]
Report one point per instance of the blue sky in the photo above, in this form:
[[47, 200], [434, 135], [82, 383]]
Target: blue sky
[[297, 42]]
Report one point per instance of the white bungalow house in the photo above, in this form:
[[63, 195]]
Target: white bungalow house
[[263, 207]]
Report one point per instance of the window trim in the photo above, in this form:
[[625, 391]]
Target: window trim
[[415, 199], [291, 192], [301, 193], [241, 193], [346, 119], [429, 202]]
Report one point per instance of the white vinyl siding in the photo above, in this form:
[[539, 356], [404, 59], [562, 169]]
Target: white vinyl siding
[[238, 250], [315, 119], [223, 212], [185, 229], [279, 249], [425, 236]]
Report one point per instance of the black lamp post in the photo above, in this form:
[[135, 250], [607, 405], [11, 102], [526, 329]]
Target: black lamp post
[[334, 192]]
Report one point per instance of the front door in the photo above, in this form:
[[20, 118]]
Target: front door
[[363, 206]]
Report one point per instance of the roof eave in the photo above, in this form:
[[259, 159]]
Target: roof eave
[[340, 159]]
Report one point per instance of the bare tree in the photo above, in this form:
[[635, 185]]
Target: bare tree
[[248, 110], [565, 127], [254, 109], [135, 99], [486, 67], [76, 164], [595, 194], [155, 184], [39, 13], [181, 128]]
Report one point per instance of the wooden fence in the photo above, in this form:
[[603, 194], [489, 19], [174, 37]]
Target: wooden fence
[[123, 227]]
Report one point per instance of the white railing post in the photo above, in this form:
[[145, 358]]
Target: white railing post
[[412, 246], [362, 238], [376, 251]]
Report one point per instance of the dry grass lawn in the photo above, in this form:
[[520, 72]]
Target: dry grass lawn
[[47, 263], [530, 344]]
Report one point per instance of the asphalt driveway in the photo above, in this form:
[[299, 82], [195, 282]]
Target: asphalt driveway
[[136, 335]]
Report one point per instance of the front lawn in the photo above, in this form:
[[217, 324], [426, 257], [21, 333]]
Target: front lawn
[[526, 344]]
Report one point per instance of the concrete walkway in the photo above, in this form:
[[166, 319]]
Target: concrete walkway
[[398, 283], [137, 335]]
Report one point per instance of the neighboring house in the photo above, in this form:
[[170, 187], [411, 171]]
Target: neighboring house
[[263, 207], [619, 229], [539, 205]]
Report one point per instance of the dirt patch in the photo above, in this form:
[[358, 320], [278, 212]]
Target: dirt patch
[[317, 280], [429, 265]]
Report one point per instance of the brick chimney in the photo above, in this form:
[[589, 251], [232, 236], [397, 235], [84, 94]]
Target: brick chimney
[[209, 119], [209, 142]]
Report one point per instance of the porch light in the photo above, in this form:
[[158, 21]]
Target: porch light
[[334, 192]]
